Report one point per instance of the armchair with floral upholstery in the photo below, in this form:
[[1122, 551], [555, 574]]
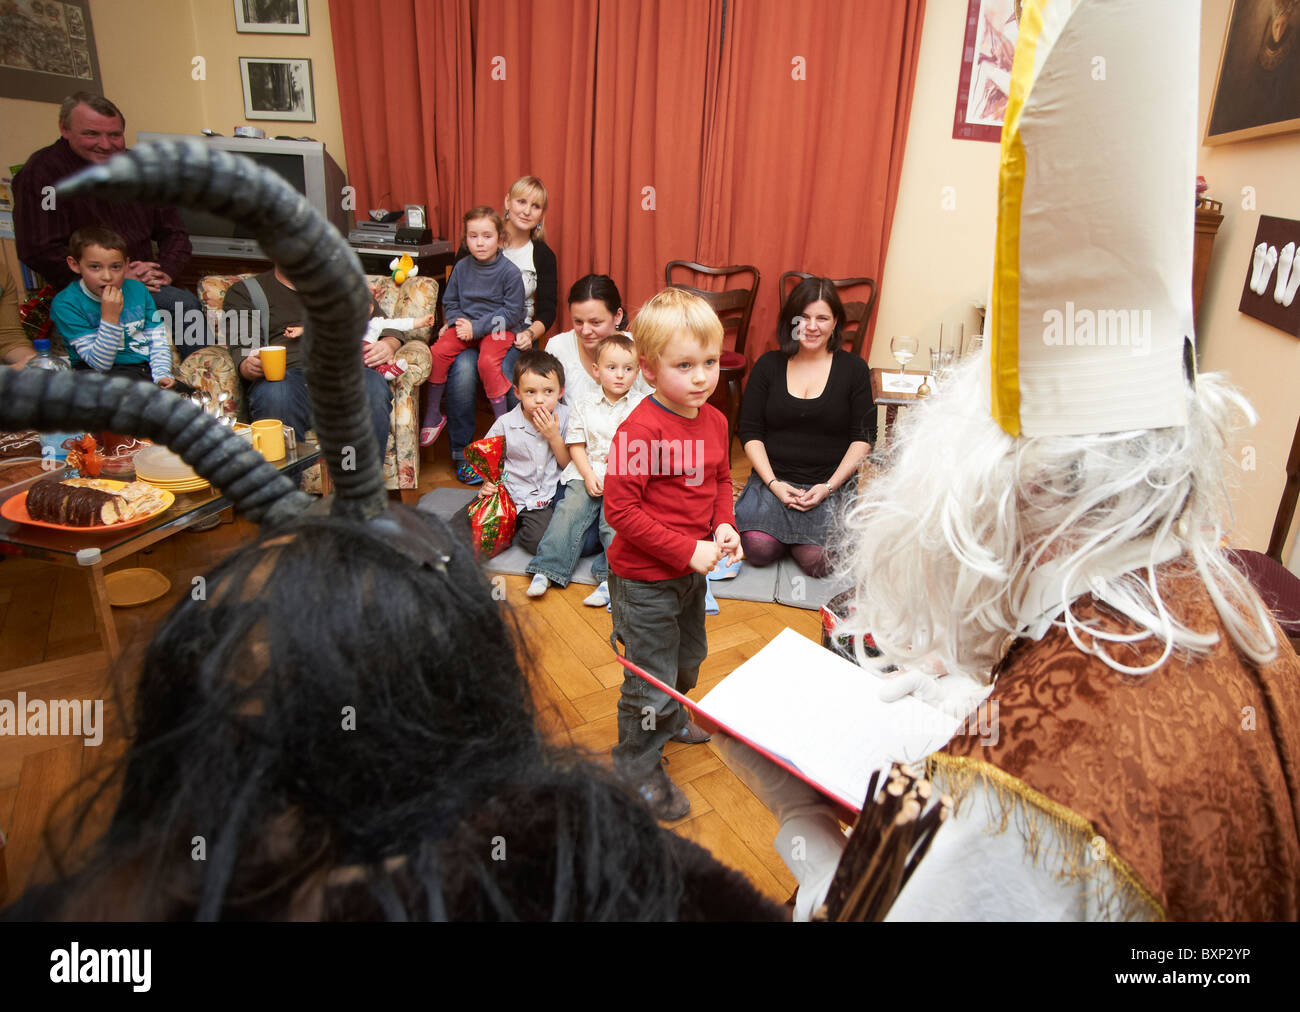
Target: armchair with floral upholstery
[[417, 296]]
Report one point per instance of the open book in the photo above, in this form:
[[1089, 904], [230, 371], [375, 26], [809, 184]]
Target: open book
[[818, 716]]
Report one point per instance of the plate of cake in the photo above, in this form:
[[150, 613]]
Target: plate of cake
[[87, 505]]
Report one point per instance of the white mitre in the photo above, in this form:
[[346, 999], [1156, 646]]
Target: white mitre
[[1092, 285]]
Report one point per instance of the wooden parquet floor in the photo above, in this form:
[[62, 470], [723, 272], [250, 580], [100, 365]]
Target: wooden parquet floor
[[49, 649]]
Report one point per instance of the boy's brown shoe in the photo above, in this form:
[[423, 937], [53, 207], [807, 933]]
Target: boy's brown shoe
[[663, 797]]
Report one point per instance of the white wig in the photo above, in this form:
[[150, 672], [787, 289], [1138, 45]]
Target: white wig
[[941, 546]]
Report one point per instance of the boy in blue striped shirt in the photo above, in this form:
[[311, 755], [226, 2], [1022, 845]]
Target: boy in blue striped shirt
[[108, 321]]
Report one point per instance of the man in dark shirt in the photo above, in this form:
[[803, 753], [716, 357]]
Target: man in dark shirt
[[91, 132], [285, 317]]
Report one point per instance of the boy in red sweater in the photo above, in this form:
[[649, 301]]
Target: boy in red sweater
[[668, 498]]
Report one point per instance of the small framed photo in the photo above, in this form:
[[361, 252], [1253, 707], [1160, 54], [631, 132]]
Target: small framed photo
[[271, 17], [277, 89]]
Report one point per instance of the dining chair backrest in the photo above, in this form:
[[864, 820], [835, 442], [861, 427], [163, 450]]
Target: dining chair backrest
[[857, 313], [734, 306]]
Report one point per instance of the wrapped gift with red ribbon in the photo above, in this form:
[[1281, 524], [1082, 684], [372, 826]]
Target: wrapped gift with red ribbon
[[491, 518]]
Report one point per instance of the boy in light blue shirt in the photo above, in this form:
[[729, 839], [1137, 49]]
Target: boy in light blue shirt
[[108, 321]]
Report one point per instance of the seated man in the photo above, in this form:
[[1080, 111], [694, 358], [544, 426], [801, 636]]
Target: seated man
[[281, 319], [91, 131]]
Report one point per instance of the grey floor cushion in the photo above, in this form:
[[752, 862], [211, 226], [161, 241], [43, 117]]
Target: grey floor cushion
[[783, 583]]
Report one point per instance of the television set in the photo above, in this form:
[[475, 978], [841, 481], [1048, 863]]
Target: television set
[[305, 165]]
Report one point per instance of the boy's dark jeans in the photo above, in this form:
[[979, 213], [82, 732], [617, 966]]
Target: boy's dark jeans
[[661, 626]]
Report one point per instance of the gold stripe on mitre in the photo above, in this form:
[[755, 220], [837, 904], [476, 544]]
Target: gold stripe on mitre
[[1057, 838], [1090, 302], [1004, 324]]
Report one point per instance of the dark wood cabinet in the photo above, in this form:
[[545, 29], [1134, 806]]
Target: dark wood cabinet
[[1209, 216]]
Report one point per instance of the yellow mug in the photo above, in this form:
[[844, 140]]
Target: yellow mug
[[268, 438], [272, 356]]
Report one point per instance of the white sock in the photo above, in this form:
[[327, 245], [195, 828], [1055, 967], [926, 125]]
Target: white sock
[[599, 597], [1261, 253], [1285, 260], [538, 587]]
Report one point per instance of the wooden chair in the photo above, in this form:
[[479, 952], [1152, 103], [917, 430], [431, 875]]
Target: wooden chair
[[857, 314], [734, 307]]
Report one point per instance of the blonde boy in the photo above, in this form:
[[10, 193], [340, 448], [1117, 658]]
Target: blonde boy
[[668, 499]]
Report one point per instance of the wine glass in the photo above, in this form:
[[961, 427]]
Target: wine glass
[[904, 350]]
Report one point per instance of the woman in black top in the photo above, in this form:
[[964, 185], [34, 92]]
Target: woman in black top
[[807, 421]]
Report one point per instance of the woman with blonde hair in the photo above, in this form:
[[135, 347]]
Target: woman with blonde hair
[[523, 245]]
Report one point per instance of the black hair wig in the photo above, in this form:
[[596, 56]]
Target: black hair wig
[[358, 745]]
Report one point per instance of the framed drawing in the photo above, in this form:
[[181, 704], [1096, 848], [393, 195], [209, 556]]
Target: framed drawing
[[985, 81], [277, 89], [47, 50], [271, 17], [1257, 90]]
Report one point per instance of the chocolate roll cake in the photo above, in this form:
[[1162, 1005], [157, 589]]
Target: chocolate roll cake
[[53, 502]]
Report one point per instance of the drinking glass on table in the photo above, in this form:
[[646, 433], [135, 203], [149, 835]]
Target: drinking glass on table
[[947, 358], [934, 363], [904, 350]]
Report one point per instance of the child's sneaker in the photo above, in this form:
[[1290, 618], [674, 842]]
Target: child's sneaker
[[539, 585], [391, 370], [466, 475], [598, 598]]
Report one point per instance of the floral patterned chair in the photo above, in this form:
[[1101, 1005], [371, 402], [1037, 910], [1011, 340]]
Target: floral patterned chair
[[417, 296]]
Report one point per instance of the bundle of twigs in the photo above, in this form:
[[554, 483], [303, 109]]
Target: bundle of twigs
[[893, 833]]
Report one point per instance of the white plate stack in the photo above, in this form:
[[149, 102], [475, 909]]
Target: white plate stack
[[163, 469]]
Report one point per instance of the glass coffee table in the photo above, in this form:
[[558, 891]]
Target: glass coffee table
[[94, 552]]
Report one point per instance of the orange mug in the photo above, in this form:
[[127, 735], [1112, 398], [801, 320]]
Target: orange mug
[[273, 359], [268, 438]]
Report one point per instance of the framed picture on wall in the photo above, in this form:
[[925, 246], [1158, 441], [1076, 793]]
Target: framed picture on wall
[[1257, 90], [277, 89], [48, 50], [985, 81], [271, 17]]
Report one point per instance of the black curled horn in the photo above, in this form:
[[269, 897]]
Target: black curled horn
[[328, 279]]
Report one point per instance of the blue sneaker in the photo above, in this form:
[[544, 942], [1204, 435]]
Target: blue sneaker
[[466, 475]]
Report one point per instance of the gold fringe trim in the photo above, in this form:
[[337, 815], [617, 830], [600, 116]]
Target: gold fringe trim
[[1055, 836]]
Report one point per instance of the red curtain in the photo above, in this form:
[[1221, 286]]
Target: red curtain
[[406, 100], [661, 132], [805, 143]]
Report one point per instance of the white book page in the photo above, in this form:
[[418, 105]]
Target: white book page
[[823, 714]]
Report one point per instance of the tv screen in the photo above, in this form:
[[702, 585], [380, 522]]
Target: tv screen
[[290, 167]]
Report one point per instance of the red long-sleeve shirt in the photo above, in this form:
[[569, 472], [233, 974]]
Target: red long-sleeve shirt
[[667, 486]]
